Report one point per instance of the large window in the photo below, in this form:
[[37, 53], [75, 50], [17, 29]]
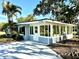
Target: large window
[[31, 30], [45, 30], [42, 30], [55, 29], [62, 29]]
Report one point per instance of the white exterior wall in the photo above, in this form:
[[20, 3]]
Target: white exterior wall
[[69, 36], [45, 39], [26, 36], [34, 36], [55, 38], [37, 37]]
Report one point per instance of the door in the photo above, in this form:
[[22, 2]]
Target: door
[[36, 33]]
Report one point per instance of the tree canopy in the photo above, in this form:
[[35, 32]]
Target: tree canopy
[[10, 10], [63, 10], [28, 18], [21, 19]]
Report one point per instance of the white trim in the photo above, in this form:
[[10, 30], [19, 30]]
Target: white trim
[[47, 21], [51, 30]]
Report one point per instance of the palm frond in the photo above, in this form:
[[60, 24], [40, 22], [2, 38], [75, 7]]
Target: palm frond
[[17, 11], [10, 10]]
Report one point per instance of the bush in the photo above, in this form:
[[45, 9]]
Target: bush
[[20, 38], [17, 37]]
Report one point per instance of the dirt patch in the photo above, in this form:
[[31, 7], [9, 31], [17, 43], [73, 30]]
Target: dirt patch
[[68, 50]]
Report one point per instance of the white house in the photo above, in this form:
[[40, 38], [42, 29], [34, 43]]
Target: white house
[[46, 31]]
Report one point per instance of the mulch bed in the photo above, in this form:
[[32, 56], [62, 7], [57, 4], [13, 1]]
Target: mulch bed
[[5, 40], [68, 50]]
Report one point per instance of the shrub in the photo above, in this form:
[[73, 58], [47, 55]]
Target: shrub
[[20, 38]]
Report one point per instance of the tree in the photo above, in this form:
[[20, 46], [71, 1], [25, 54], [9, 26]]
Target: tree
[[30, 18], [58, 8], [5, 26], [1, 26], [10, 10], [21, 19], [26, 19]]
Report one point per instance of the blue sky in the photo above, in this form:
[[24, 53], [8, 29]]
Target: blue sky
[[27, 7]]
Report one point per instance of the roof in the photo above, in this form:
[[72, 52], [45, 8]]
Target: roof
[[46, 21]]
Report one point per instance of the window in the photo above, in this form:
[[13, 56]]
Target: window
[[42, 30], [45, 30], [67, 29], [62, 29], [31, 30], [70, 30], [74, 28], [22, 30], [36, 29], [55, 29], [49, 30]]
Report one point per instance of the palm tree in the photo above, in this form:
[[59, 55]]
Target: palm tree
[[10, 10], [14, 10]]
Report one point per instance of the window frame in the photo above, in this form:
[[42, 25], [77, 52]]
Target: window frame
[[46, 30], [36, 29], [22, 30], [31, 30], [42, 30], [55, 29], [63, 29]]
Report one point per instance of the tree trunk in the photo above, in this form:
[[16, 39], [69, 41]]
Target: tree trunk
[[10, 26]]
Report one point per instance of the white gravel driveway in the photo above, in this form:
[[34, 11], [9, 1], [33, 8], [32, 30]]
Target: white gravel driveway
[[27, 50]]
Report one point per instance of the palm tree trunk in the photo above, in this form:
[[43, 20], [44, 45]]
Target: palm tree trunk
[[10, 25]]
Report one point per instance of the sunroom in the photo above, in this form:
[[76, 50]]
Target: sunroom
[[46, 31]]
